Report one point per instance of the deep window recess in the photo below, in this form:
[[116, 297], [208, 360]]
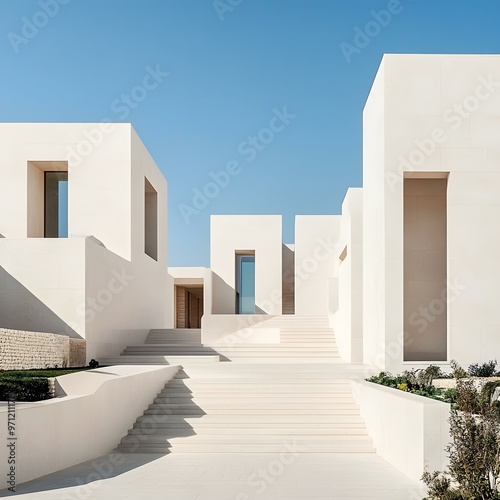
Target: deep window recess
[[245, 284], [56, 205], [150, 220]]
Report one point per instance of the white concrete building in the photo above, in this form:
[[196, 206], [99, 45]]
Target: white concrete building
[[83, 246], [405, 275]]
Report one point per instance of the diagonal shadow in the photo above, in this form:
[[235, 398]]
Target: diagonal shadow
[[21, 310], [166, 419]]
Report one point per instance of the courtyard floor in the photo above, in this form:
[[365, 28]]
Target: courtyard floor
[[180, 476]]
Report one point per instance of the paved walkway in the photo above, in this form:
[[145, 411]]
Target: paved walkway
[[202, 476]]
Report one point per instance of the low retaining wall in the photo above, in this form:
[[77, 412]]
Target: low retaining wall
[[99, 408], [411, 432], [21, 350]]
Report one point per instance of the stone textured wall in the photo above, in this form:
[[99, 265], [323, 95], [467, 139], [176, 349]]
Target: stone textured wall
[[77, 352], [24, 350]]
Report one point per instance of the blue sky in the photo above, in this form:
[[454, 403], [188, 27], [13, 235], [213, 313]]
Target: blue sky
[[288, 73]]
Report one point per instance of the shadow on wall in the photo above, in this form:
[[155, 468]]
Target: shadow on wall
[[21, 310], [171, 422], [224, 297]]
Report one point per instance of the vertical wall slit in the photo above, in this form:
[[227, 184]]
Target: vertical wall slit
[[425, 269]]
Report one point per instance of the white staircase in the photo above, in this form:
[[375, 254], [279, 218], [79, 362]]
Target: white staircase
[[302, 340], [261, 408], [272, 396]]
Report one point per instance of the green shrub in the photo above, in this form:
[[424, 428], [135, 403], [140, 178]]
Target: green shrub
[[487, 369], [24, 389], [28, 385], [457, 371], [419, 382]]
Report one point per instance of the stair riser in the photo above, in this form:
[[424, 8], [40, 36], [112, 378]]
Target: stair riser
[[235, 411], [213, 431], [239, 449]]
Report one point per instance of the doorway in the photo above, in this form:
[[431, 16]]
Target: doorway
[[188, 306]]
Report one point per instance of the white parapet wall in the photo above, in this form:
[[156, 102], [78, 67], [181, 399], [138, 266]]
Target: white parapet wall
[[411, 432], [97, 410]]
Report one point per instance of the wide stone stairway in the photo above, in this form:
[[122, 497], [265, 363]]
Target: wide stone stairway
[[269, 399], [302, 340]]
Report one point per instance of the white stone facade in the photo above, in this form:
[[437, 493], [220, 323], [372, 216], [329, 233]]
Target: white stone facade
[[406, 275], [97, 284]]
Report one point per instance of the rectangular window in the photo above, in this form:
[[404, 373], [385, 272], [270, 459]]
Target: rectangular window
[[245, 283], [150, 220], [56, 204]]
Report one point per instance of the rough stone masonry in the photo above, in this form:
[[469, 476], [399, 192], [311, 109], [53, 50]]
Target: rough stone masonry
[[21, 350]]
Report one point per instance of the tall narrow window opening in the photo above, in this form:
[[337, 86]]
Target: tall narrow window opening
[[425, 269], [150, 220], [245, 283], [56, 205]]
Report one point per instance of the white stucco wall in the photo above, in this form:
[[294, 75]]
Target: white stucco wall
[[348, 320], [96, 178], [89, 421], [411, 432], [316, 264], [233, 233], [42, 285], [433, 114]]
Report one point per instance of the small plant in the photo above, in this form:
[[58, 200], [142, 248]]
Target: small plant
[[456, 370], [439, 486], [93, 364], [474, 452], [418, 382], [487, 369]]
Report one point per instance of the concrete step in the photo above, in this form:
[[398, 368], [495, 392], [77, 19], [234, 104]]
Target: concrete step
[[283, 359], [169, 429], [157, 360], [251, 404], [159, 410], [175, 330], [234, 380], [249, 420], [256, 400], [265, 439], [242, 347], [190, 445]]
